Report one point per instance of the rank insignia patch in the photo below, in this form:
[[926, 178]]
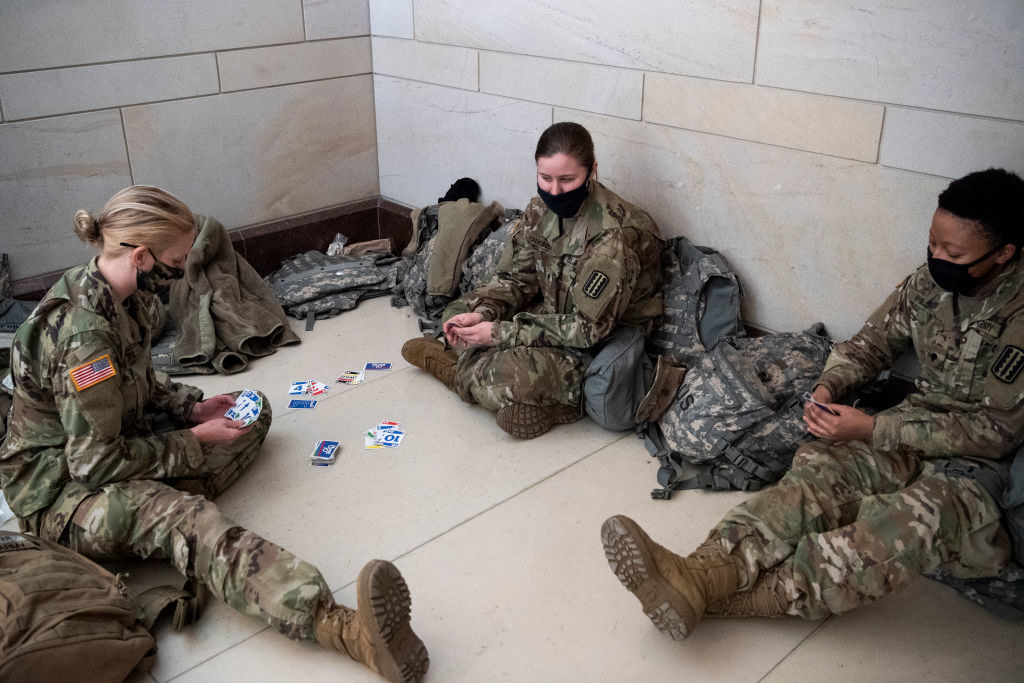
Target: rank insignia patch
[[595, 284], [93, 372], [1009, 364]]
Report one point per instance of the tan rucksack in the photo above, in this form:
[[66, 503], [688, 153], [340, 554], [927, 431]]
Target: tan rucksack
[[64, 617]]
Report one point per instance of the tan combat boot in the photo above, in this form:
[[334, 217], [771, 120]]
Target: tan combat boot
[[767, 598], [378, 634], [673, 590], [432, 356], [525, 421]]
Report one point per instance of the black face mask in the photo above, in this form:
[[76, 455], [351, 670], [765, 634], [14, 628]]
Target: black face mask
[[157, 279], [954, 277], [568, 203]]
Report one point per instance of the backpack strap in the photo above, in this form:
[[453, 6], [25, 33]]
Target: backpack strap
[[187, 602], [677, 474]]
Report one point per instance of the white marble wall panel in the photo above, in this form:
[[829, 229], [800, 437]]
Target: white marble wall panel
[[440, 64], [391, 18], [816, 123], [811, 237], [59, 91], [428, 136], [257, 155], [712, 38], [955, 56], [949, 144], [600, 89], [335, 18], [37, 34], [265, 66], [51, 168]]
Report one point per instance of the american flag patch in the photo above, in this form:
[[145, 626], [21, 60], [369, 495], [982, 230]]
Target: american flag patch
[[93, 372]]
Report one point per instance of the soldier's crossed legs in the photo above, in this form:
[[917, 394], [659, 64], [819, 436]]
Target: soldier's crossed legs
[[846, 527], [148, 519], [532, 375]]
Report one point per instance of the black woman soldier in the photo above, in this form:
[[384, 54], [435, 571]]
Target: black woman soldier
[[878, 499]]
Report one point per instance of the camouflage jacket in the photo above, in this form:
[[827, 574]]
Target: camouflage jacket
[[83, 387], [571, 282], [970, 392]]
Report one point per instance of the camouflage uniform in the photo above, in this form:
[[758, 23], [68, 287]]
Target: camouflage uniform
[[98, 457], [562, 286], [853, 521]]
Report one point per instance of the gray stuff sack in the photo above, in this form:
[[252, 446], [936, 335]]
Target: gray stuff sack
[[616, 380]]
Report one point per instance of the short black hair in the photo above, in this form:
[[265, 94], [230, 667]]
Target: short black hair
[[994, 198]]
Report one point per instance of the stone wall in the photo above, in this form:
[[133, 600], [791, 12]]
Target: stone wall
[[805, 139], [249, 110]]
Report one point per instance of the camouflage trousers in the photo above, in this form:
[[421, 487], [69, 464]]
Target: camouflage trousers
[[174, 520], [535, 375], [849, 524]]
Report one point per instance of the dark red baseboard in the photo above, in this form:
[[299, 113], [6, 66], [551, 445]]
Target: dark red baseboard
[[265, 245]]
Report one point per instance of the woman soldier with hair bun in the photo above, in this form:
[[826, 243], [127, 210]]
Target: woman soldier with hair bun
[[581, 263], [105, 458]]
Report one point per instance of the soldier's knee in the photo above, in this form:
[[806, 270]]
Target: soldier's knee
[[809, 452]]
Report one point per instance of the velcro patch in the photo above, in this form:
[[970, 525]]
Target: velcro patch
[[595, 284], [92, 373], [1008, 366]]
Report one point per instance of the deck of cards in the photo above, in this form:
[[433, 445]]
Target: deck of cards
[[324, 454], [246, 409], [807, 397], [385, 435]]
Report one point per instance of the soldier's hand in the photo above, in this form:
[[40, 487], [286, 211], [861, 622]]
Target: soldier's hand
[[821, 394], [849, 425], [481, 334], [457, 322], [212, 407], [219, 430]]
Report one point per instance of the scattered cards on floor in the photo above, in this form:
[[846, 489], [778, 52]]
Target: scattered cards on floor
[[325, 453], [301, 403], [385, 435], [246, 409], [309, 386], [377, 366], [351, 377]]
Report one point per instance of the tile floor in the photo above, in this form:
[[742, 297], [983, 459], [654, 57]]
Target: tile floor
[[499, 542]]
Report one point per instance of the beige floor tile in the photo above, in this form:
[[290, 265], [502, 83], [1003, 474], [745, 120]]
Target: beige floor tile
[[454, 463], [523, 592], [373, 331], [924, 633], [499, 541]]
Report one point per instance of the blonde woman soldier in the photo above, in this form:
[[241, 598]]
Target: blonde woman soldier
[[91, 462]]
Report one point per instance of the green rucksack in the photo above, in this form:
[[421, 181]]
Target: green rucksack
[[64, 617]]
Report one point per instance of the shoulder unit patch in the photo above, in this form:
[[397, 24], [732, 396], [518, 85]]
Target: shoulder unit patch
[[1008, 366], [595, 284], [93, 372]]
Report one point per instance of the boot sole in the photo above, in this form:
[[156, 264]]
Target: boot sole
[[525, 421], [625, 546], [402, 656]]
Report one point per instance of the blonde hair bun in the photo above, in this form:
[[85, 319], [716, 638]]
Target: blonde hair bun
[[87, 229]]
